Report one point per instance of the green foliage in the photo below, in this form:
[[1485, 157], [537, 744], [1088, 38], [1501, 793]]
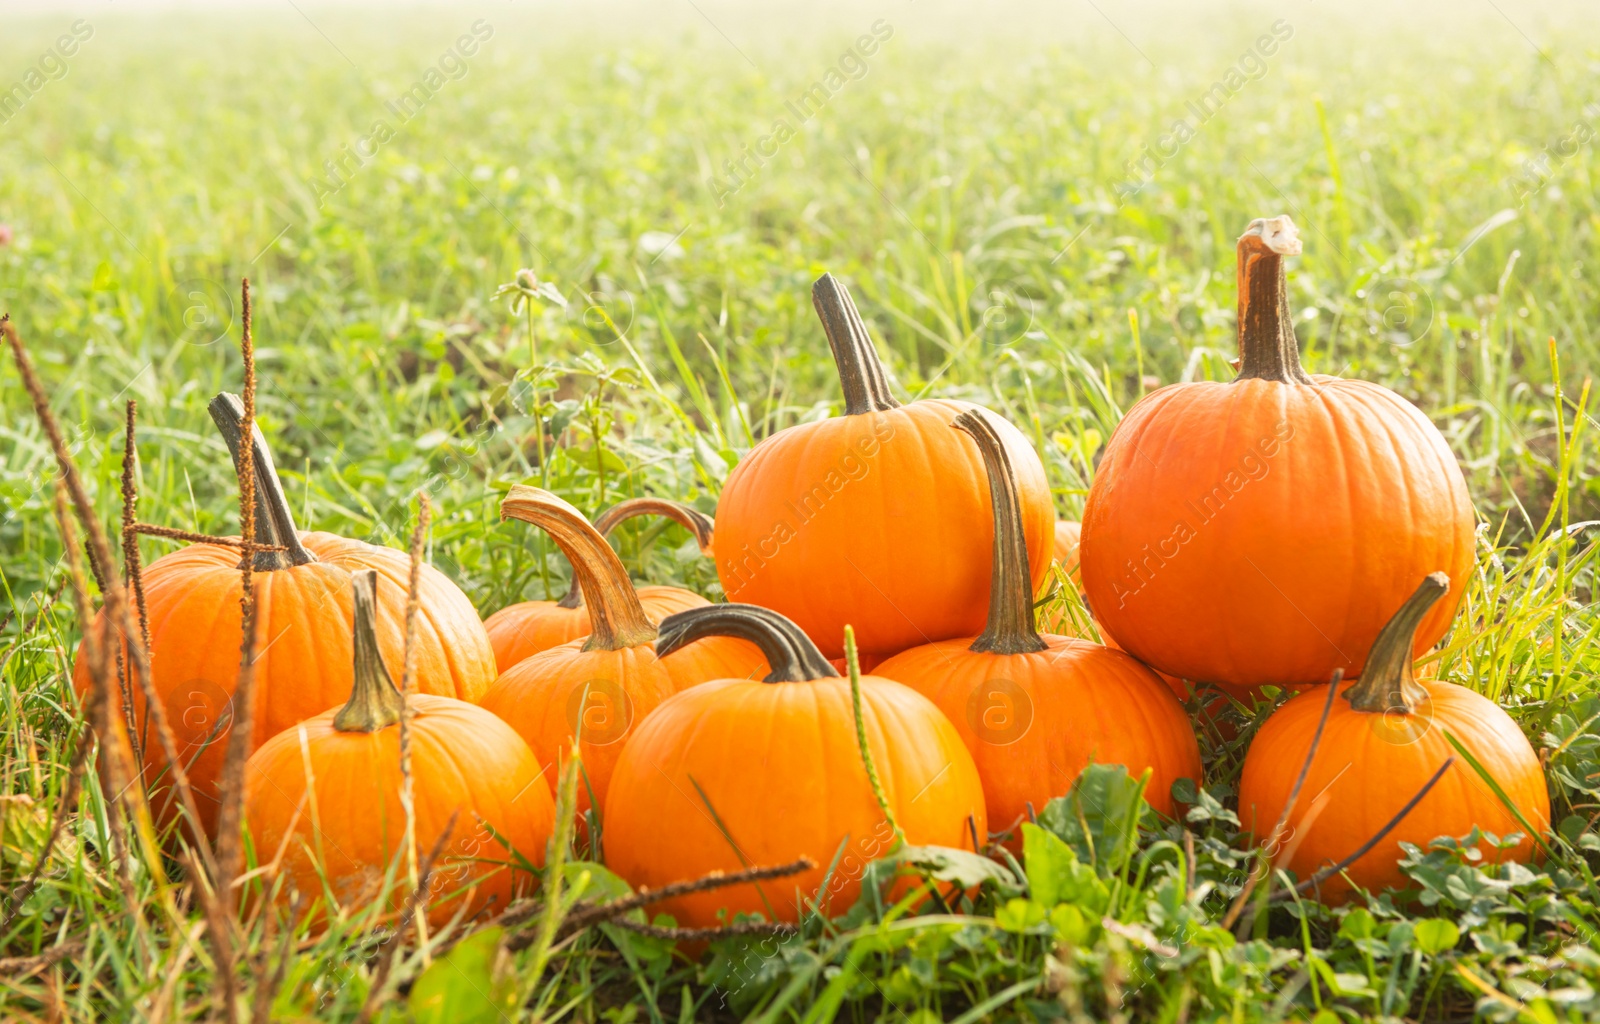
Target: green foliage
[[497, 296]]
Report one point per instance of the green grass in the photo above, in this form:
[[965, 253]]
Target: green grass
[[178, 154]]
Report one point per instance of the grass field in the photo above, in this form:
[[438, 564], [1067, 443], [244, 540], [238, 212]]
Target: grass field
[[1023, 224]]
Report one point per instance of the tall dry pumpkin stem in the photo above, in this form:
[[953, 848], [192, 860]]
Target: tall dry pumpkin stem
[[274, 524], [1009, 629], [1267, 346], [691, 519], [861, 376], [1386, 682], [616, 619], [790, 654], [374, 702]]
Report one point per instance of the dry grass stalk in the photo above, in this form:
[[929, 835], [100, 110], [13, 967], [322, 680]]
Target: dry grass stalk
[[151, 530], [132, 567], [408, 681]]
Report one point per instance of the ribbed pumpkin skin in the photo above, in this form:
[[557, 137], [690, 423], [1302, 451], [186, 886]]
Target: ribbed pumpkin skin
[[891, 509], [524, 629], [714, 657], [1326, 504], [779, 763], [303, 660], [541, 698], [1370, 765], [1073, 704], [463, 760], [1066, 548]]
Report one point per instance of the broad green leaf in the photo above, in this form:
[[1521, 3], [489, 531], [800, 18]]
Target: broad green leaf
[[1055, 875], [474, 983], [1435, 935], [1018, 915]]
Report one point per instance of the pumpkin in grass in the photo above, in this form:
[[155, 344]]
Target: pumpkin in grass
[[1385, 737], [1036, 710], [303, 621], [881, 502], [326, 794], [1254, 532], [523, 629], [598, 689], [739, 772]]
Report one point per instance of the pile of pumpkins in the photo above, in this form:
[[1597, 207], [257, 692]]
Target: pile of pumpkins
[[1270, 531]]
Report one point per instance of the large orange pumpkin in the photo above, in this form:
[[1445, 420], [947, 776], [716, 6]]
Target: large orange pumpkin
[[327, 794], [883, 503], [1253, 532], [737, 772], [523, 629], [598, 688], [303, 621], [1384, 739], [1036, 710]]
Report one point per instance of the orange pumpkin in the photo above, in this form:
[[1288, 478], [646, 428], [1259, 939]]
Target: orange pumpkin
[[738, 772], [598, 688], [1252, 532], [303, 621], [1036, 710], [523, 629], [1067, 534], [1384, 739], [327, 794], [881, 502]]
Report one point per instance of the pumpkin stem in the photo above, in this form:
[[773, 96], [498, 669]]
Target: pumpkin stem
[[691, 519], [1267, 346], [374, 702], [1010, 626], [1386, 683], [274, 523], [790, 653], [861, 376], [616, 619]]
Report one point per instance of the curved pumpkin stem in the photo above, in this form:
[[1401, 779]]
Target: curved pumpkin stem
[[861, 375], [1010, 626], [274, 523], [374, 702], [616, 620], [790, 653], [691, 519], [1267, 346], [1386, 682]]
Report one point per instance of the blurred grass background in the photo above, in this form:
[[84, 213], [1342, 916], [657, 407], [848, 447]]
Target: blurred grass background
[[966, 185]]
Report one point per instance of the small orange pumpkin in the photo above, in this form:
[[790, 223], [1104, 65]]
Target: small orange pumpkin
[[1252, 532], [523, 629], [326, 793], [303, 622], [1036, 710], [882, 503], [599, 688], [738, 772], [1384, 739]]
